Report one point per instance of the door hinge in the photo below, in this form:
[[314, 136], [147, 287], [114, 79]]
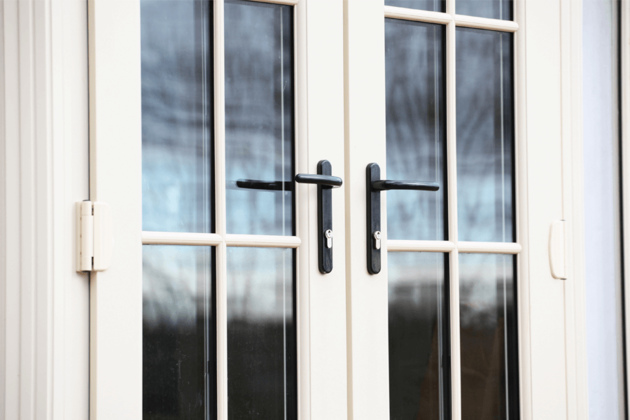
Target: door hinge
[[94, 236], [558, 250]]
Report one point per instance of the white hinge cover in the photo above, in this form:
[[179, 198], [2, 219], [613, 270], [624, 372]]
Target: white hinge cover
[[94, 236], [557, 250]]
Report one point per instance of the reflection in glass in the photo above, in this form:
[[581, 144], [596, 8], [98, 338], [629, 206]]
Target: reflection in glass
[[418, 336], [259, 121], [485, 136], [178, 333], [432, 5], [416, 134], [494, 9], [488, 331], [262, 378], [176, 116]]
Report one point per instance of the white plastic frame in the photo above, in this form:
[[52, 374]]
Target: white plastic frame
[[548, 104], [116, 293]]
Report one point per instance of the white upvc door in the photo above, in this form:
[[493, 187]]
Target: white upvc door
[[201, 115], [466, 318]]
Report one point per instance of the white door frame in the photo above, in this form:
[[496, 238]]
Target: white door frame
[[44, 303], [42, 45]]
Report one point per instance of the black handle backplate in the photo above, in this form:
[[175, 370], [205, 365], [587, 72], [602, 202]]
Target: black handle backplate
[[325, 183], [374, 186]]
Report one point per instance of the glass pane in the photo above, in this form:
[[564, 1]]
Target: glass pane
[[416, 133], [259, 120], [485, 136], [488, 331], [262, 355], [176, 116], [419, 352], [178, 333], [494, 9], [432, 5]]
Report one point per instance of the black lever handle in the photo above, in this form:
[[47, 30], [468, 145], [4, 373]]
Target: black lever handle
[[325, 183], [374, 186], [323, 180], [257, 184]]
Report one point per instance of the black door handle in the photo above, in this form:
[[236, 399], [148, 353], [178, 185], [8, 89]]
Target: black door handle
[[258, 184], [325, 183], [386, 184], [323, 180], [374, 186]]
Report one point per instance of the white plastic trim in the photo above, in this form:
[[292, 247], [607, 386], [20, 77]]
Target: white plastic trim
[[44, 327]]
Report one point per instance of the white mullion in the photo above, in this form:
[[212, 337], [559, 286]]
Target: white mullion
[[485, 23], [456, 382], [451, 162], [450, 7], [220, 210], [417, 15]]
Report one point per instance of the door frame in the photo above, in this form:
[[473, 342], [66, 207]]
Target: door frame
[[44, 303], [53, 65]]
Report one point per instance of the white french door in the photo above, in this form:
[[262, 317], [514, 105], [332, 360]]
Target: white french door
[[222, 302], [221, 308]]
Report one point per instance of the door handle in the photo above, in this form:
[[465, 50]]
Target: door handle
[[374, 186], [258, 184], [325, 183]]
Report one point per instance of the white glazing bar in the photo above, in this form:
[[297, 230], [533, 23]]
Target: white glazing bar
[[397, 245], [456, 382], [180, 238], [450, 7], [417, 15], [489, 247], [263, 241], [220, 209], [484, 23], [451, 164]]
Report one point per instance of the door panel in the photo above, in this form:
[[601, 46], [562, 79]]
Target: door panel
[[490, 212], [238, 321]]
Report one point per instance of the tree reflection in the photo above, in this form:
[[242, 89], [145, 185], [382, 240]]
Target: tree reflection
[[485, 136]]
